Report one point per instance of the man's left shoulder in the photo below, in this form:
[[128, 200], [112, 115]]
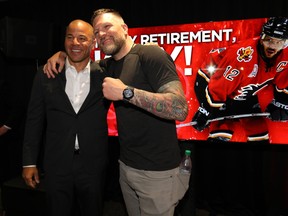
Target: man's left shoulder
[[150, 51], [95, 66]]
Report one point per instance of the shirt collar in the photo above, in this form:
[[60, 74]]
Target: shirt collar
[[70, 67]]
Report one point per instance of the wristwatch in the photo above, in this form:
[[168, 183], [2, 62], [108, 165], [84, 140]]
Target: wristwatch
[[128, 93]]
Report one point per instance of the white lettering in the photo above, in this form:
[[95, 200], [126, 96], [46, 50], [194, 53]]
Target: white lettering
[[204, 36]]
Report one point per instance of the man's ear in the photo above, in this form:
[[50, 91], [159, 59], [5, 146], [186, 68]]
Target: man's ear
[[125, 28]]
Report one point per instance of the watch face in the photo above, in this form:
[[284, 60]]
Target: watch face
[[128, 93]]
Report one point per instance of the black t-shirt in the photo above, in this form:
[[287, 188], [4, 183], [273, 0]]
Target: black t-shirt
[[146, 141]]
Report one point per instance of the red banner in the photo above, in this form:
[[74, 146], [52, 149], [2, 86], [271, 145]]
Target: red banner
[[188, 44]]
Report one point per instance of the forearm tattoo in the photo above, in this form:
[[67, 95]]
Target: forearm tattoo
[[169, 102]]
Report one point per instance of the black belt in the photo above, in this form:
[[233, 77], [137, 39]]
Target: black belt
[[76, 151]]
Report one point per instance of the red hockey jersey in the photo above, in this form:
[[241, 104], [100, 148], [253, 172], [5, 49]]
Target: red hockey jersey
[[242, 73]]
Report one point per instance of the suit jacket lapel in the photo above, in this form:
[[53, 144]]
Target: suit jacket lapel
[[62, 80], [95, 85]]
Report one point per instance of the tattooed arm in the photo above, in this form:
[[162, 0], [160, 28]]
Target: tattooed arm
[[169, 102]]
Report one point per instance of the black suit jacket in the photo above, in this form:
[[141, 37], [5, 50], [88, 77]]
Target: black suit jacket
[[51, 113]]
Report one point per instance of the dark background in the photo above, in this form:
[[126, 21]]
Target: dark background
[[232, 179], [59, 13], [144, 13]]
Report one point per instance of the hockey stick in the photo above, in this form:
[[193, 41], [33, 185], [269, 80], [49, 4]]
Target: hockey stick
[[227, 117]]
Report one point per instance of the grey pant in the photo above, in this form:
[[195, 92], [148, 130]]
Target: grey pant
[[148, 193]]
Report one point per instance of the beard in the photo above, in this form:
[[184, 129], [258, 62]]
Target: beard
[[112, 48]]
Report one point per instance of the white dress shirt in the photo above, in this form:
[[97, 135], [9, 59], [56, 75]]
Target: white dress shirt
[[77, 87]]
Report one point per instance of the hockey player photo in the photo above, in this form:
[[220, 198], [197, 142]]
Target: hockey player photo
[[243, 88]]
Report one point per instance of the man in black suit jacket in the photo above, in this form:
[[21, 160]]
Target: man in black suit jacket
[[71, 111]]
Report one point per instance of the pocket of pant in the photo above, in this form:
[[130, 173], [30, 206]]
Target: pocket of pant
[[182, 184]]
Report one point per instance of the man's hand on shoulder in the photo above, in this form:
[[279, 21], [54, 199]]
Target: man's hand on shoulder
[[50, 68]]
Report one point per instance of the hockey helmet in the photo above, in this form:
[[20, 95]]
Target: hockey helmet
[[276, 27]]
